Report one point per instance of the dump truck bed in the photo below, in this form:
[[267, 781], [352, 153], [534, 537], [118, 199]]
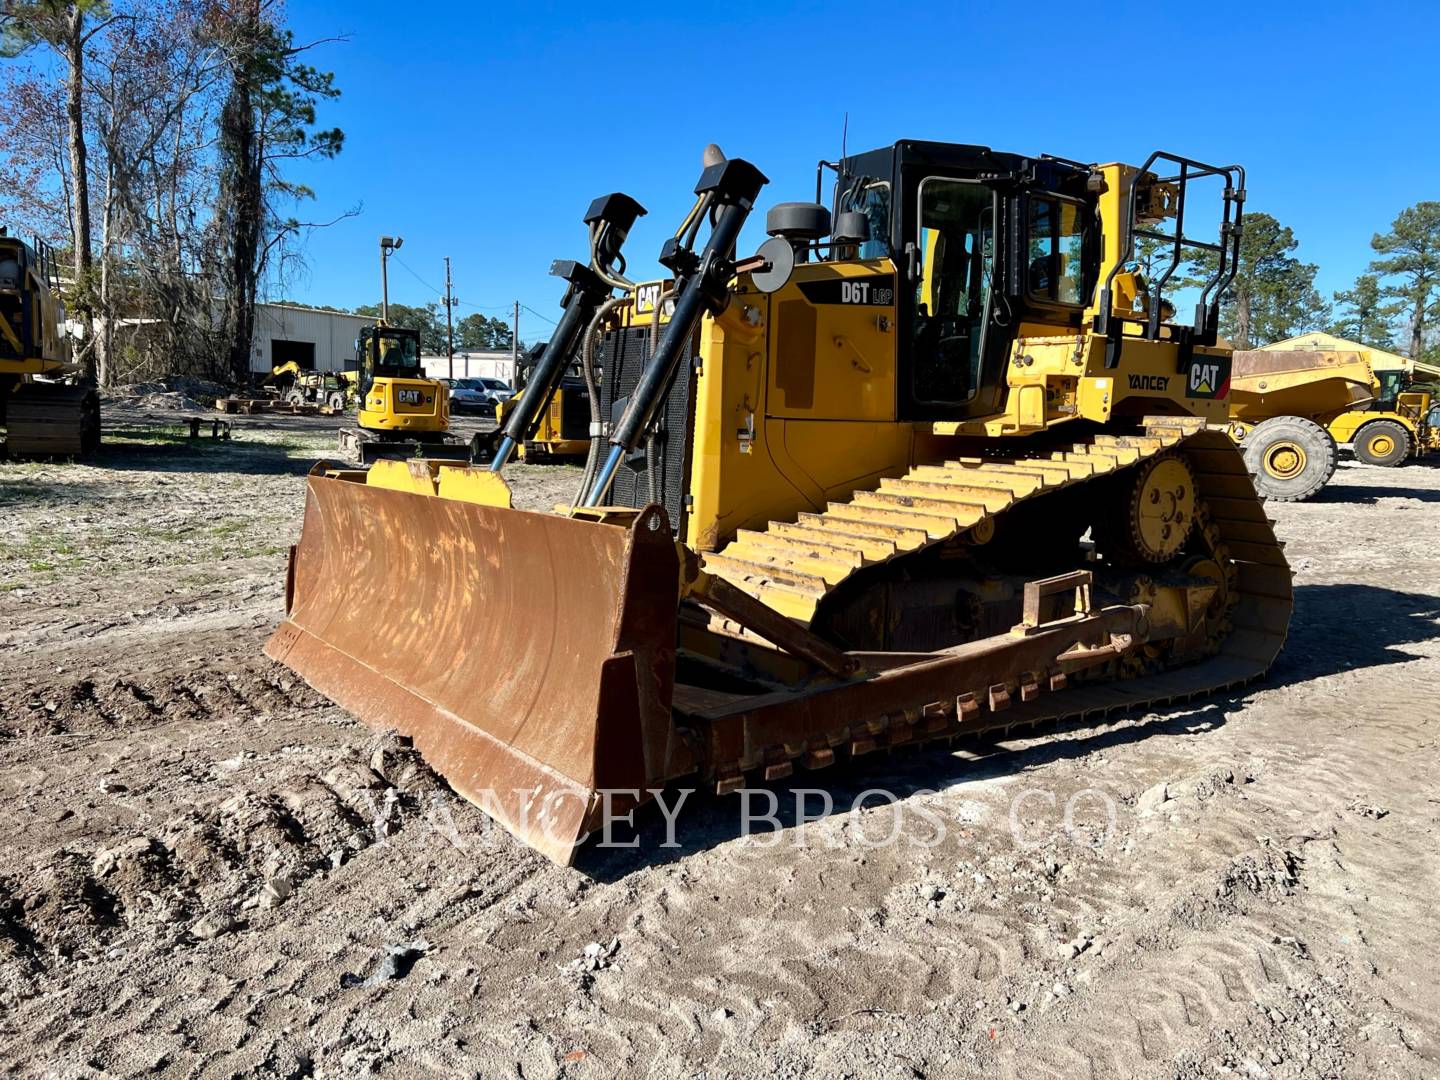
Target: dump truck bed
[[1313, 384]]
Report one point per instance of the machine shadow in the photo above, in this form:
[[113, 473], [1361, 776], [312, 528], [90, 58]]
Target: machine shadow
[[1379, 622], [204, 455], [1354, 493]]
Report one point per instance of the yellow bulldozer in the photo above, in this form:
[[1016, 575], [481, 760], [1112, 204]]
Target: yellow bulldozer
[[563, 427], [931, 462], [1293, 403], [45, 410]]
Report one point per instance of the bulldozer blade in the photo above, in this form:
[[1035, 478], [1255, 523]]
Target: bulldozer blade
[[530, 657]]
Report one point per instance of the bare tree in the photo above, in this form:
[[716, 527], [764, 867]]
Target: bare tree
[[267, 121], [188, 116], [156, 87], [67, 29]]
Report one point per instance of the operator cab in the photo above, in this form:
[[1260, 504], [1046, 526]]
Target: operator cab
[[982, 242], [387, 352]]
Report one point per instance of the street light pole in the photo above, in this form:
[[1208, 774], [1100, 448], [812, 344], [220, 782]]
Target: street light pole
[[515, 341], [449, 321], [388, 246]]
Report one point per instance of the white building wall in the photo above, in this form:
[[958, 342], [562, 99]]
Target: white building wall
[[332, 333], [471, 364]]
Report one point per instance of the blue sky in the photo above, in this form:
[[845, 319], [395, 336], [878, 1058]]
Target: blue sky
[[483, 130]]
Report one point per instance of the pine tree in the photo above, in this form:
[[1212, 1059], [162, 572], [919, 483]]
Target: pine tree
[[268, 116], [1411, 260], [1363, 315], [1273, 295]]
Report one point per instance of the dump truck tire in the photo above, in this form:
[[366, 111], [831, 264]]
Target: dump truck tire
[[1334, 456], [1382, 442], [1291, 458]]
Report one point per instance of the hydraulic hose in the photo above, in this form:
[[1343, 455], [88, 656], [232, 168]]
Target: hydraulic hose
[[609, 220], [587, 368], [695, 295]]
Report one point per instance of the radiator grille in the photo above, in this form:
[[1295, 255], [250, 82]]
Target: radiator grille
[[622, 356]]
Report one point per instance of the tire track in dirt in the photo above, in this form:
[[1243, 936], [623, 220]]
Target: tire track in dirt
[[97, 703]]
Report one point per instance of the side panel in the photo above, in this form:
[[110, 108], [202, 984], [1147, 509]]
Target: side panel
[[755, 460], [1344, 427], [832, 343], [405, 405]]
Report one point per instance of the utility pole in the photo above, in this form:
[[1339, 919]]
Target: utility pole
[[515, 342], [449, 321]]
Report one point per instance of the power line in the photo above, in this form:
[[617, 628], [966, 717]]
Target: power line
[[537, 314], [413, 274], [458, 303], [462, 303]]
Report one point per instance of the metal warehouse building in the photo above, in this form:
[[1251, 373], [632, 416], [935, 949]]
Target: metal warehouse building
[[316, 340]]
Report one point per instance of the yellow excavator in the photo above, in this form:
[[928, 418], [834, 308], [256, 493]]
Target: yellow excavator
[[46, 412], [932, 461], [401, 413]]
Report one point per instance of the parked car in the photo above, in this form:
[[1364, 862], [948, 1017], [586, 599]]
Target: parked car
[[478, 395], [499, 388]]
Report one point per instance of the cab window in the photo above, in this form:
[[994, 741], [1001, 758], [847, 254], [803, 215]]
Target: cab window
[[1391, 384], [1056, 250], [956, 252], [397, 351]]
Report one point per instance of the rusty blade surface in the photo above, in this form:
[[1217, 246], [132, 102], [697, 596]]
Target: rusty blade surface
[[530, 657]]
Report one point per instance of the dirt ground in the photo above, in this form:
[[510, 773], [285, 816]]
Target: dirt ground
[[208, 870]]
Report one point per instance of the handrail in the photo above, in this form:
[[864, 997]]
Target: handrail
[[1228, 248]]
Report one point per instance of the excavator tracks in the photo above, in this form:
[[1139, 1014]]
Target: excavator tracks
[[49, 420], [792, 566]]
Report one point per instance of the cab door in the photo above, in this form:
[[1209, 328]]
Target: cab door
[[954, 351]]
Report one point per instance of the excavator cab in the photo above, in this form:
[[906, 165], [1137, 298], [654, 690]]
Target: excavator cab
[[395, 395], [385, 352], [401, 413]]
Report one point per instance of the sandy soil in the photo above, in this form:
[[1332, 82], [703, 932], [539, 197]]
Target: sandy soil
[[208, 870]]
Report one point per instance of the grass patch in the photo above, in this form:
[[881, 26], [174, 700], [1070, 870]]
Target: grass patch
[[39, 567], [257, 551], [145, 435]]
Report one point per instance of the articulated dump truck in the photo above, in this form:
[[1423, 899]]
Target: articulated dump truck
[[933, 461], [1291, 407]]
